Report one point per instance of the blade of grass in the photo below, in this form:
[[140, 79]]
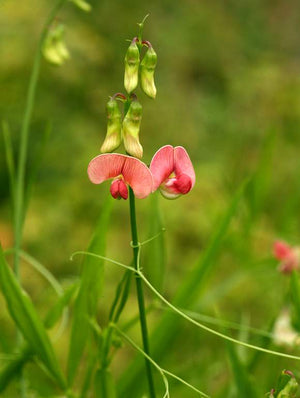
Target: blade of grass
[[17, 362], [259, 185], [57, 310], [104, 384], [295, 299], [89, 290], [244, 384], [14, 367], [10, 161], [22, 311], [38, 157]]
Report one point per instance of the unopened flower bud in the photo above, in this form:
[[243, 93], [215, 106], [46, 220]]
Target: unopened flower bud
[[287, 385], [54, 47], [113, 134], [132, 62], [131, 129], [147, 68]]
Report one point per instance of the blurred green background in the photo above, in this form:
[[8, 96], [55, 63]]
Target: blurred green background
[[228, 80]]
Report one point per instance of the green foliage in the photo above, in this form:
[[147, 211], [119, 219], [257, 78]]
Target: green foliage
[[89, 290], [24, 314], [154, 251], [229, 87], [56, 311], [104, 384], [185, 297], [14, 367], [244, 382]]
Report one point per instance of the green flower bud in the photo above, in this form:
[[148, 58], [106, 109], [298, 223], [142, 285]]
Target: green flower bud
[[131, 129], [147, 68], [54, 48], [82, 4], [287, 385], [113, 134], [132, 62]]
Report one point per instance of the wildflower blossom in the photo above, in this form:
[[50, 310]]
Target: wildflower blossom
[[288, 256], [124, 170], [172, 171]]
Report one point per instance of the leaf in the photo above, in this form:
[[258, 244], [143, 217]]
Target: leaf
[[104, 384], [14, 367], [245, 385], [90, 287], [154, 253], [37, 160], [295, 300], [56, 311], [258, 187], [185, 297], [26, 318], [9, 158]]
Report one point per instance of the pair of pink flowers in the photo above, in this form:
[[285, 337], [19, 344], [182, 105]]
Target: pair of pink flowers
[[171, 170]]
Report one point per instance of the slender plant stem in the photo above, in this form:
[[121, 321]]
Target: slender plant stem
[[19, 209], [140, 294], [19, 193]]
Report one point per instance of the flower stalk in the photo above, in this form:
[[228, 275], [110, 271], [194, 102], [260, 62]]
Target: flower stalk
[[140, 293]]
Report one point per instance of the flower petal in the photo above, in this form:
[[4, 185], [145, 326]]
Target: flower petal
[[103, 167], [282, 250], [162, 165], [138, 176], [183, 165]]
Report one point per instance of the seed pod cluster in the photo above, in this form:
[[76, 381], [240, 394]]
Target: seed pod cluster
[[145, 68]]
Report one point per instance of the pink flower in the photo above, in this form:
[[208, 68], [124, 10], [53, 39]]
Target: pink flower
[[124, 170], [172, 171], [288, 256]]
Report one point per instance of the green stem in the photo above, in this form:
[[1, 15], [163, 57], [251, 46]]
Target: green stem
[[19, 213], [140, 294], [18, 200]]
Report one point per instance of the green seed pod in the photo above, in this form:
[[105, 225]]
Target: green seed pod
[[147, 68], [114, 126], [131, 129], [54, 48], [82, 4], [287, 385], [132, 62]]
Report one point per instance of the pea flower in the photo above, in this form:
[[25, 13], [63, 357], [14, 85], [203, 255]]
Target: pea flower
[[124, 170], [289, 257], [172, 171]]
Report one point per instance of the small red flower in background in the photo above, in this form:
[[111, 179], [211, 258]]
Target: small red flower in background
[[172, 171], [288, 256], [124, 170]]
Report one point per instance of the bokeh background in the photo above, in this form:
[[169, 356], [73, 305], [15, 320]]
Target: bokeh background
[[228, 80]]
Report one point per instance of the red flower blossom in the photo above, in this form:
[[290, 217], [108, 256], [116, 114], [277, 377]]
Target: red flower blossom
[[124, 170], [288, 256], [172, 171]]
